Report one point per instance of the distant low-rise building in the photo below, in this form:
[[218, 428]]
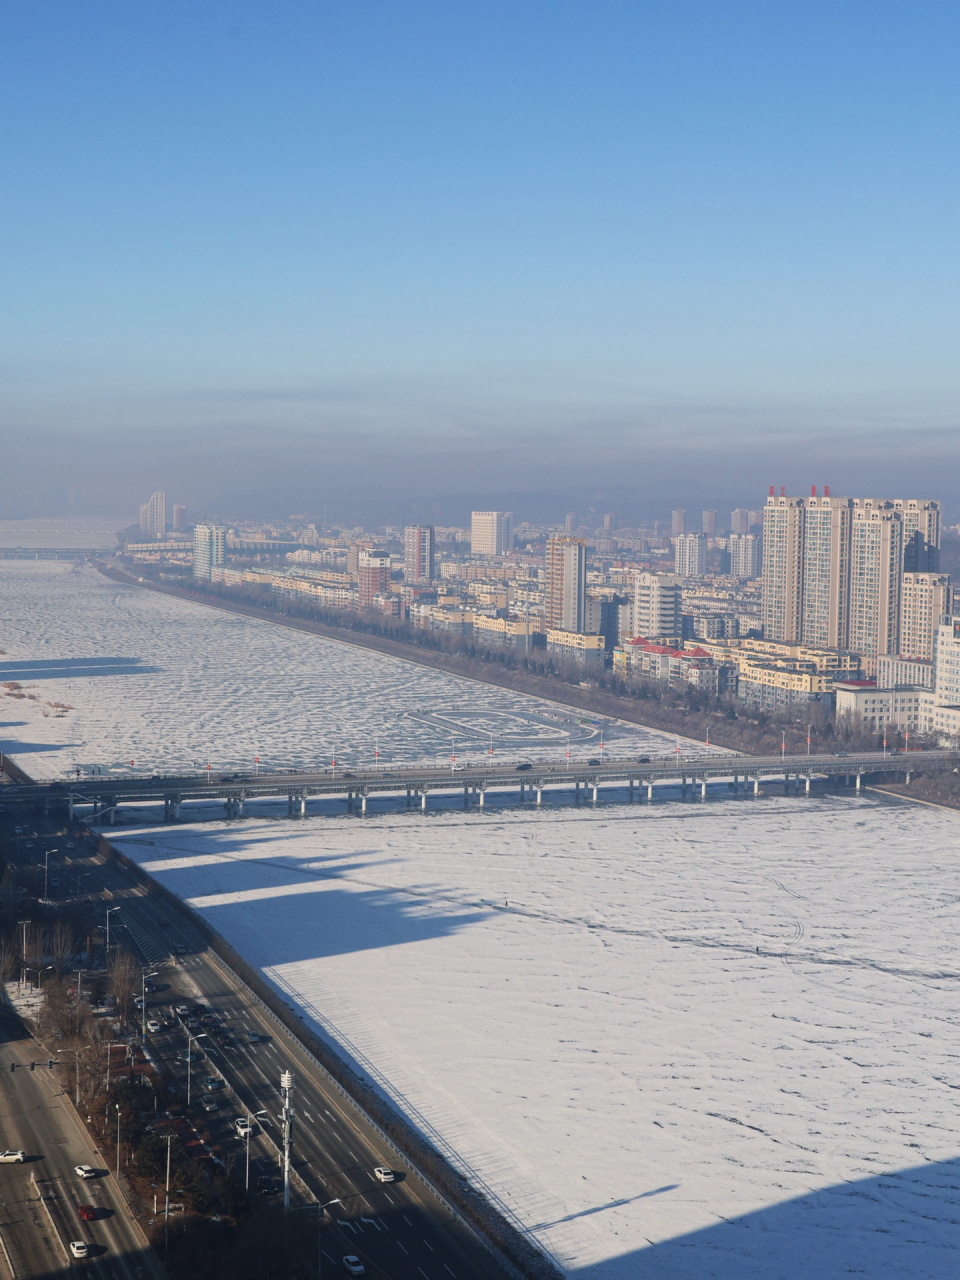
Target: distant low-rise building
[[587, 652]]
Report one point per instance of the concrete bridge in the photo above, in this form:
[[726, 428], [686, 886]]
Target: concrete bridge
[[641, 776]]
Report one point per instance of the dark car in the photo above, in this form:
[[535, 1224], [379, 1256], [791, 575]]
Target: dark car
[[643, 759], [225, 1040], [266, 1186], [593, 762], [522, 767]]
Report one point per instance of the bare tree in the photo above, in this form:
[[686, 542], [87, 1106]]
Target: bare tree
[[124, 980], [62, 940], [9, 955]]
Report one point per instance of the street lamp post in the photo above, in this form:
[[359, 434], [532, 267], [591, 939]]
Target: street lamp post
[[117, 1105], [143, 996], [110, 911], [321, 1208], [251, 1116], [190, 1038], [46, 868]]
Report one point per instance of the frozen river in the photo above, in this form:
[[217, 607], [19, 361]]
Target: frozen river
[[117, 678], [686, 1041]]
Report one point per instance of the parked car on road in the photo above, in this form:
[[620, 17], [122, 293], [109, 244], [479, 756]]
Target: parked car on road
[[79, 1248], [85, 1171], [11, 1157], [87, 1212], [352, 1265]]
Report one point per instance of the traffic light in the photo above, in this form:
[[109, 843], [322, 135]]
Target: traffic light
[[32, 1066]]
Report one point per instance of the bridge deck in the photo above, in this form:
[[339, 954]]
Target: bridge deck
[[114, 790]]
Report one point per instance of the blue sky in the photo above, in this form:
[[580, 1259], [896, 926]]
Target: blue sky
[[646, 224]]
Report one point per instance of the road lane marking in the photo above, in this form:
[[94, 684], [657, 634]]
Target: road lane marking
[[406, 1251], [429, 1245]]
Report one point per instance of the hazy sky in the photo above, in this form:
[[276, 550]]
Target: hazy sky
[[278, 252]]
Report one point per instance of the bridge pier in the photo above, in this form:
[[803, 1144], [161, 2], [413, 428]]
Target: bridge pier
[[630, 798], [290, 805], [576, 793], [683, 787], [703, 788], [906, 780], [303, 806], [408, 797], [539, 794], [423, 801], [858, 781], [482, 791], [466, 797], [363, 802], [595, 790], [807, 788], [756, 785], [649, 793], [70, 807], [522, 793]]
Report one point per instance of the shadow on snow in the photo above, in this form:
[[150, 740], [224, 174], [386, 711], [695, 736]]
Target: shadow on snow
[[904, 1224], [284, 911]]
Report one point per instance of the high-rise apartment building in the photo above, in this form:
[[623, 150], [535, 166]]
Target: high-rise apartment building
[[153, 515], [740, 520], [876, 565], [833, 571], [658, 605], [571, 522], [678, 523], [783, 527], [566, 583], [419, 551], [690, 555], [609, 522], [179, 518], [744, 551], [491, 532], [373, 576], [708, 523], [921, 535], [924, 598], [209, 548], [826, 571]]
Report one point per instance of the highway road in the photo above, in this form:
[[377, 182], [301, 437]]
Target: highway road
[[402, 1230], [35, 1234]]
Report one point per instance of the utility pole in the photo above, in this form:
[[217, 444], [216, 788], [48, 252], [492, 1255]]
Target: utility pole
[[286, 1092], [166, 1206]]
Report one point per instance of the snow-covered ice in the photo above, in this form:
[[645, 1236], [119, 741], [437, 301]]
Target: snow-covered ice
[[673, 1041], [686, 1040], [159, 684]]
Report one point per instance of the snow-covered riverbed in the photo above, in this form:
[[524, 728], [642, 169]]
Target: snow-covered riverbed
[[679, 1041]]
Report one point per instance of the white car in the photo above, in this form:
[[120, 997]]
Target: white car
[[243, 1127], [353, 1265], [11, 1157], [85, 1171], [153, 1026], [79, 1248], [383, 1174]]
